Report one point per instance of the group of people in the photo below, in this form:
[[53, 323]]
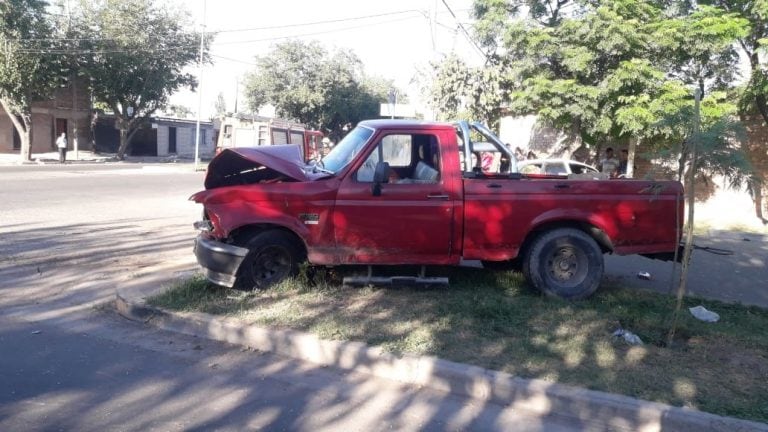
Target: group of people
[[614, 167]]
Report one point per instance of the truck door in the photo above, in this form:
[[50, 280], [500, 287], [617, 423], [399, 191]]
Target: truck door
[[411, 222]]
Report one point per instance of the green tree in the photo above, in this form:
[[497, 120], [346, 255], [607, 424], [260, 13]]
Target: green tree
[[459, 91], [29, 71], [609, 71], [135, 54], [324, 90], [754, 95]]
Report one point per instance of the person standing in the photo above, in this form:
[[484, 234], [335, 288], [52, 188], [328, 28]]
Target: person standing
[[61, 143], [609, 165], [623, 159]]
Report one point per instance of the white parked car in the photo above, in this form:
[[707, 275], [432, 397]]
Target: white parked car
[[555, 167]]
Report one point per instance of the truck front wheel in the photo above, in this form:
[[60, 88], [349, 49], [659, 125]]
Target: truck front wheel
[[272, 256], [565, 263]]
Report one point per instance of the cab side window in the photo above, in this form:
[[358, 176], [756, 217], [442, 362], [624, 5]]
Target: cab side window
[[412, 158]]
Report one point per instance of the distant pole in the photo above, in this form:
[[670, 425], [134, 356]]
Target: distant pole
[[199, 92], [75, 143], [433, 26], [237, 92], [392, 101]]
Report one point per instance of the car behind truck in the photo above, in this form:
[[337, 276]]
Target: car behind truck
[[396, 192]]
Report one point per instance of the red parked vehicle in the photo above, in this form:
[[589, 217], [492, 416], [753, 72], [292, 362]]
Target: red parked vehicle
[[396, 192]]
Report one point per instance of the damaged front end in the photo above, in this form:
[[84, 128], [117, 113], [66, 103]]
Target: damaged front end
[[249, 165], [229, 182]]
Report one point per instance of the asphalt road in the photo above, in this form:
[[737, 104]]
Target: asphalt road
[[70, 235]]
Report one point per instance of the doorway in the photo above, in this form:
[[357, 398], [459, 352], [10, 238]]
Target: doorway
[[61, 127], [171, 140]]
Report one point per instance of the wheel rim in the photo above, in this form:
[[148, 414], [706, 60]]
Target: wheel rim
[[270, 265], [567, 266]]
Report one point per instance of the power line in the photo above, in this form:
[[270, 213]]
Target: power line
[[464, 30], [294, 36], [234, 60], [73, 51], [311, 23]]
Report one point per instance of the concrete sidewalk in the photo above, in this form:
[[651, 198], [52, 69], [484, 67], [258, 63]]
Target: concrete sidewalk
[[602, 411]]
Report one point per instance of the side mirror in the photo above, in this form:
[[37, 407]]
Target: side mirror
[[380, 175]]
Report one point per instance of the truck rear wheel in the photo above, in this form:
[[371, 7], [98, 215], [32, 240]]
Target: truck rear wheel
[[273, 256], [565, 263]]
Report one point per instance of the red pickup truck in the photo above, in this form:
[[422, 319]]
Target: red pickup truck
[[396, 192]]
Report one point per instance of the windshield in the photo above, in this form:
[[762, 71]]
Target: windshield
[[343, 153]]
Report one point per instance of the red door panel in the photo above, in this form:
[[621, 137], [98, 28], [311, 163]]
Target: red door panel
[[407, 224]]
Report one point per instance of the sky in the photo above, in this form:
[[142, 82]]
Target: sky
[[394, 39]]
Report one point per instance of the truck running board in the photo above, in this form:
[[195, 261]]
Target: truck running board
[[369, 279]]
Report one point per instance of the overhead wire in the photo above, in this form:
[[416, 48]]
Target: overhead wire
[[294, 36], [464, 30], [83, 51], [311, 23]]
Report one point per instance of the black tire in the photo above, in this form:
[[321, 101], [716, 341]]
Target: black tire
[[508, 265], [565, 263], [273, 256]]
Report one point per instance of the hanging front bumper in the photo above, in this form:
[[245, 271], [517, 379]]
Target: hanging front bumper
[[220, 261]]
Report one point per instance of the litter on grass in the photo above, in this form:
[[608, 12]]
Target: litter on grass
[[628, 336], [703, 314], [644, 275]]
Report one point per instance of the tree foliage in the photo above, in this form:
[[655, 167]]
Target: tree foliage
[[754, 94], [602, 72], [324, 90], [458, 91], [29, 71], [134, 54]]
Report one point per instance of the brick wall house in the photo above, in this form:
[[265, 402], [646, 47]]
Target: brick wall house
[[69, 111]]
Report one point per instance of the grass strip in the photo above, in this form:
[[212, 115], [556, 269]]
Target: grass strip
[[492, 320]]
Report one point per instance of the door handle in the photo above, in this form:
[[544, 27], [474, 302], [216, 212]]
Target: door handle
[[443, 197], [562, 186], [494, 186]]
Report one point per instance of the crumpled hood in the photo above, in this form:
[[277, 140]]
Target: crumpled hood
[[255, 164]]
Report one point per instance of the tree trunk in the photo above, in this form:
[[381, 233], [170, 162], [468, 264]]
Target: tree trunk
[[123, 143], [23, 127], [631, 157], [26, 139]]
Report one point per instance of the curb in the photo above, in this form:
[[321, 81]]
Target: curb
[[532, 395]]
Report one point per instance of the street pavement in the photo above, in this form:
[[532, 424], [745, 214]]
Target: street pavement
[[739, 276]]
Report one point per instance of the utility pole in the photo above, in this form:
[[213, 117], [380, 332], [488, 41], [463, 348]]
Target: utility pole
[[199, 92], [393, 101], [237, 92], [433, 27]]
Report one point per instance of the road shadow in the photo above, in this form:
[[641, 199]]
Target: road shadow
[[82, 263]]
